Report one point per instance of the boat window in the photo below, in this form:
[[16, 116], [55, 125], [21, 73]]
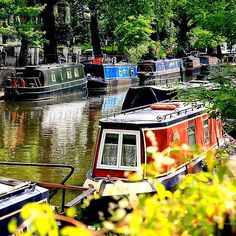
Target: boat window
[[53, 76], [191, 135], [110, 151], [206, 132], [61, 74], [131, 72], [120, 72], [120, 149], [76, 72], [69, 74], [128, 157]]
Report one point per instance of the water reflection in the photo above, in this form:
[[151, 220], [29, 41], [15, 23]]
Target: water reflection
[[63, 132]]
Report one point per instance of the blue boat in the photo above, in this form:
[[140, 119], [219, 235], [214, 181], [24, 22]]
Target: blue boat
[[14, 194], [108, 76], [160, 71]]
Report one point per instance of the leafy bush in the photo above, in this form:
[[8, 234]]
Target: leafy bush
[[202, 204]]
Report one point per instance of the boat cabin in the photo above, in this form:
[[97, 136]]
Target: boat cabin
[[207, 63], [160, 72], [160, 66], [192, 65], [45, 82], [39, 76], [208, 60], [111, 71], [123, 141]]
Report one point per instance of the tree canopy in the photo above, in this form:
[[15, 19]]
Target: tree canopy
[[182, 25]]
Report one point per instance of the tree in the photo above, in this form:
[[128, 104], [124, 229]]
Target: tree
[[63, 22], [221, 99], [50, 48], [19, 18], [133, 31], [80, 22], [94, 28]]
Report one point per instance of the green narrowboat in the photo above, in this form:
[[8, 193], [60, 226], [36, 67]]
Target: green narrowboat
[[46, 82]]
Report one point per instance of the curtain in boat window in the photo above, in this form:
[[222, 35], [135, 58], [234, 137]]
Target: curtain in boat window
[[110, 150], [129, 155], [109, 156]]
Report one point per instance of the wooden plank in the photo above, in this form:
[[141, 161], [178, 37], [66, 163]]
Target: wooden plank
[[78, 199]]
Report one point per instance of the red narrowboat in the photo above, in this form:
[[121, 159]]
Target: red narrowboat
[[123, 143]]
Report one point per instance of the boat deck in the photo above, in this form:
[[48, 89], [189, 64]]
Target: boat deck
[[148, 116]]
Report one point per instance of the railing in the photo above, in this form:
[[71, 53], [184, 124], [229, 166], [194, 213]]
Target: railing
[[61, 185], [194, 105]]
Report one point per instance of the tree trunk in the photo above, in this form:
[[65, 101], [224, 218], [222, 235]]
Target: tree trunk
[[184, 27], [219, 52], [95, 30], [50, 48], [210, 50], [23, 57]]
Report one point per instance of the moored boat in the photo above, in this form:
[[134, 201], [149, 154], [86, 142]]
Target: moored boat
[[46, 82], [104, 77], [192, 65], [207, 63], [160, 71], [14, 194], [122, 145], [147, 94]]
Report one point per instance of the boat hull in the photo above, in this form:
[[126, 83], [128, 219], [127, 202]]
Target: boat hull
[[107, 85], [11, 205], [108, 187], [160, 72], [46, 92]]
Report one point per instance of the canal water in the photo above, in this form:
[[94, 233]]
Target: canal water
[[58, 132]]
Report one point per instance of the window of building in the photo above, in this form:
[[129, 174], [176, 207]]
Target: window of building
[[120, 150]]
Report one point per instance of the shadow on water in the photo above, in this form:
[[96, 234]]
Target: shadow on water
[[59, 132]]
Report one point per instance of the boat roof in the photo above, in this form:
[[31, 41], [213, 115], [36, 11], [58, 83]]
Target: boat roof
[[107, 64], [146, 117], [160, 61], [51, 66], [8, 186]]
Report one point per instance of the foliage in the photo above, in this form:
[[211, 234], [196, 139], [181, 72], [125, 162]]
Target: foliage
[[133, 32], [18, 19], [201, 38], [86, 46], [148, 49], [110, 49], [223, 97], [137, 52], [201, 204]]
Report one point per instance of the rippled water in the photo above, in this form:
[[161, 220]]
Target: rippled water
[[61, 132]]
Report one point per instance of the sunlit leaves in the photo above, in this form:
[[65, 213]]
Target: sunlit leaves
[[20, 20], [133, 31], [197, 207]]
